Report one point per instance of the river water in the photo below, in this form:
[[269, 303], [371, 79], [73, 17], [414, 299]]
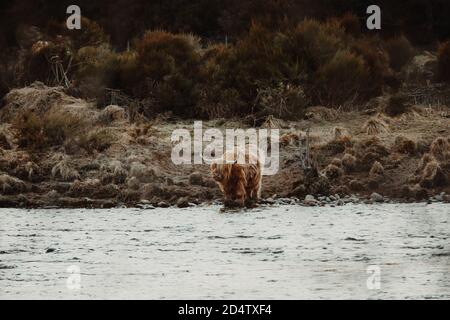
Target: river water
[[290, 252]]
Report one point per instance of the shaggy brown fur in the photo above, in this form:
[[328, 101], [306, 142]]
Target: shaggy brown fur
[[238, 182]]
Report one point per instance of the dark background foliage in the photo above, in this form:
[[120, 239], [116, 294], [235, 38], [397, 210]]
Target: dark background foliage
[[219, 58]]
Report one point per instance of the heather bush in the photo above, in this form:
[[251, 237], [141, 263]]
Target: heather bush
[[169, 66], [444, 61], [91, 34], [400, 52], [97, 69], [341, 79]]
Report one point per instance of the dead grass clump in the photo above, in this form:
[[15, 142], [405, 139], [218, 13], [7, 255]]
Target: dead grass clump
[[111, 114], [96, 140], [440, 149], [426, 158], [336, 162], [142, 172], [349, 162], [339, 145], [51, 129], [432, 176], [4, 143], [405, 145], [11, 185], [84, 188], [333, 172], [289, 138], [113, 171], [397, 105], [64, 171], [375, 126], [370, 150], [376, 171]]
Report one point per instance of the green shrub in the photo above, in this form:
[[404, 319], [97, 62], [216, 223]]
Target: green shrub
[[444, 61], [400, 52], [341, 79]]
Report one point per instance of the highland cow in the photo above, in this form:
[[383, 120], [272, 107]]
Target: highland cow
[[239, 182]]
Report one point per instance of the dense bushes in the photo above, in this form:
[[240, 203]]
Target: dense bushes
[[268, 70], [341, 79], [444, 61], [400, 52]]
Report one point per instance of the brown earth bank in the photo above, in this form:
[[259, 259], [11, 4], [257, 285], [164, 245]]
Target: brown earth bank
[[59, 151]]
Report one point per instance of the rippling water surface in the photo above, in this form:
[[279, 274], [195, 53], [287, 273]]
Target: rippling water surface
[[287, 252]]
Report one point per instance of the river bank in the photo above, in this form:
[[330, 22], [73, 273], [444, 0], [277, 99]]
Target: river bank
[[95, 158]]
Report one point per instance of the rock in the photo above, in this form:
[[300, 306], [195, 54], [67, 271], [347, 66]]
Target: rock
[[196, 179], [376, 197], [163, 204], [310, 198], [50, 250], [183, 203], [446, 198]]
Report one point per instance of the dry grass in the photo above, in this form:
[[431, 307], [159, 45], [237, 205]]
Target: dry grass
[[64, 171], [440, 149], [432, 176], [426, 158], [349, 162], [377, 170], [375, 126], [11, 185], [405, 145], [333, 172]]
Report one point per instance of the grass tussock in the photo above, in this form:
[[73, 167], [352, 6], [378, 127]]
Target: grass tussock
[[375, 126], [405, 145], [377, 170], [64, 171], [11, 185], [440, 149], [432, 176], [349, 162], [48, 130]]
